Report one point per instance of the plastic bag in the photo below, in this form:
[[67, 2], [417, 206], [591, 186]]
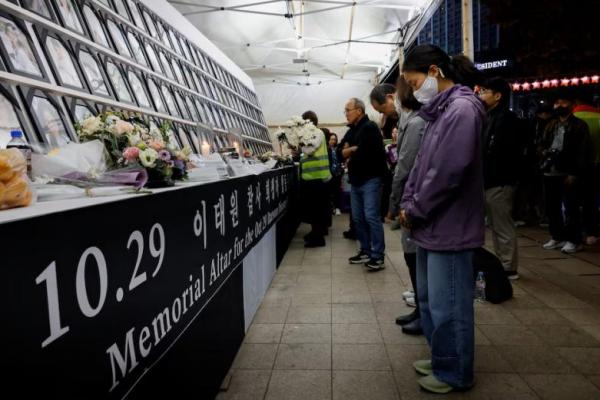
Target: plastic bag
[[86, 158], [15, 190], [84, 165]]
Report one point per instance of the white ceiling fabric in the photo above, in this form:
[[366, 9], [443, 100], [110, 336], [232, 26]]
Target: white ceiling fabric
[[333, 70]]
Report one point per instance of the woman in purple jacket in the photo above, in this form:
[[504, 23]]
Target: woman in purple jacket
[[443, 205]]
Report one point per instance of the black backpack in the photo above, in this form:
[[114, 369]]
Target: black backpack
[[497, 286]]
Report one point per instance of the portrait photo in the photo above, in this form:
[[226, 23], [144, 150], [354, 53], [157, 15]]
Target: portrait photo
[[91, 69], [137, 17], [37, 6], [69, 15], [155, 94], [64, 62], [138, 52], [138, 89], [95, 25], [170, 101], [19, 52], [114, 74], [117, 34], [50, 124]]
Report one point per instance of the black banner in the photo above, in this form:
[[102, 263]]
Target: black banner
[[94, 298]]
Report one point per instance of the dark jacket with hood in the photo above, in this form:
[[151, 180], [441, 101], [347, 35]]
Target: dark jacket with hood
[[503, 151]]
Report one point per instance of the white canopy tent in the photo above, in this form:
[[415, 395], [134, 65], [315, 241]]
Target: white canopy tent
[[310, 54]]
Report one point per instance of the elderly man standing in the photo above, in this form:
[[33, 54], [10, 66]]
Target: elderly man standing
[[366, 169]]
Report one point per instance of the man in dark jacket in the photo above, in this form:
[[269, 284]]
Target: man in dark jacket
[[567, 152], [366, 169], [500, 170]]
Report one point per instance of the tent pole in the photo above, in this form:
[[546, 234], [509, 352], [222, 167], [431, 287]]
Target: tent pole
[[467, 28]]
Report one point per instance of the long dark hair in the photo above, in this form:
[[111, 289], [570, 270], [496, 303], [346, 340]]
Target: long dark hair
[[405, 95], [458, 68]]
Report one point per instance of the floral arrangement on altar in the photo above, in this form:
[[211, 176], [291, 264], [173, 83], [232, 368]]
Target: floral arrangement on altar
[[300, 134], [130, 142]]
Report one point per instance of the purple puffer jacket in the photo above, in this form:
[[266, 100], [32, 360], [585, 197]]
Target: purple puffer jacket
[[444, 193]]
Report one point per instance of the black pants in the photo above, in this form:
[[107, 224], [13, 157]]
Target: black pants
[[411, 263], [315, 200], [567, 226], [335, 191]]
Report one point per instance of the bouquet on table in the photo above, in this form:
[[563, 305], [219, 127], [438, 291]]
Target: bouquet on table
[[300, 134], [131, 143]]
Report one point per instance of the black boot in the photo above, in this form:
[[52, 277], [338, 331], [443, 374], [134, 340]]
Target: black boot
[[408, 318], [350, 234], [413, 328], [315, 242]]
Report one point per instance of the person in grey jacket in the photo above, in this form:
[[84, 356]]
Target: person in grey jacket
[[385, 99], [411, 128]]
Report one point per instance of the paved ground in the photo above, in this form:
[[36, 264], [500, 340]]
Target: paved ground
[[325, 330]]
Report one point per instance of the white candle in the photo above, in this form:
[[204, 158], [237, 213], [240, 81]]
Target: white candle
[[205, 148]]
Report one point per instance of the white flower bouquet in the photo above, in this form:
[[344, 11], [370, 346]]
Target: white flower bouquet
[[129, 142], [300, 133]]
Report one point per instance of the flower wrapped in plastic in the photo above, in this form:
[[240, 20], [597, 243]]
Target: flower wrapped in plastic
[[130, 142], [300, 134]]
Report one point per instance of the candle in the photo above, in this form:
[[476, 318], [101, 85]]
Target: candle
[[237, 147], [205, 148]]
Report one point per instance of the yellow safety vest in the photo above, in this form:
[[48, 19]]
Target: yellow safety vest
[[316, 166]]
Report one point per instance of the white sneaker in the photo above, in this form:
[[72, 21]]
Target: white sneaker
[[570, 248], [338, 212], [519, 223], [410, 301], [553, 244], [407, 294]]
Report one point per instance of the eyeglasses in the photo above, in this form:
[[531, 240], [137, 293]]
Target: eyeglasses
[[346, 111]]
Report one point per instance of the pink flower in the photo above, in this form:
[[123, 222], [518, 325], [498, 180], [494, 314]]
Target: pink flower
[[156, 144], [131, 153]]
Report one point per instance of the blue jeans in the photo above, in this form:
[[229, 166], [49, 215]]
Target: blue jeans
[[366, 213], [445, 286]]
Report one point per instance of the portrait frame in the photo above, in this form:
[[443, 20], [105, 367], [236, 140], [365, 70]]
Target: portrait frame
[[30, 6], [164, 60], [137, 48], [9, 94], [98, 30], [137, 18], [153, 58], [73, 106], [39, 102], [169, 100], [9, 49], [150, 22], [121, 8], [116, 78], [120, 42], [156, 96], [183, 111], [137, 82], [69, 19], [93, 72], [59, 65]]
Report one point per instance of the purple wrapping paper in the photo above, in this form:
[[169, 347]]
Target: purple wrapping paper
[[136, 177]]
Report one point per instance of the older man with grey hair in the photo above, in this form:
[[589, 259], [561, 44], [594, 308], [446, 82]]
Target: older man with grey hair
[[366, 168]]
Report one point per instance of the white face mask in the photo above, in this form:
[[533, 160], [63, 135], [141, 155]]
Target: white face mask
[[427, 91]]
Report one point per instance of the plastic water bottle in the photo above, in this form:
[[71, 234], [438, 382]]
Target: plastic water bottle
[[480, 287], [17, 142]]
